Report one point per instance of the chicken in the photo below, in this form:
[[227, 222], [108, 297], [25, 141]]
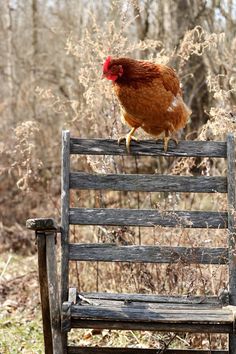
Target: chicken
[[150, 97]]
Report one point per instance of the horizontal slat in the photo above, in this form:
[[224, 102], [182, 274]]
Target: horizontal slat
[[105, 350], [148, 183], [143, 305], [148, 148], [149, 254], [107, 303], [177, 299], [146, 217], [132, 313], [154, 326]]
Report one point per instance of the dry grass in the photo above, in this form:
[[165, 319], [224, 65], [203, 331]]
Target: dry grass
[[20, 317]]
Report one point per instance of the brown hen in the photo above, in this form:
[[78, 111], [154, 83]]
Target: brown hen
[[150, 97]]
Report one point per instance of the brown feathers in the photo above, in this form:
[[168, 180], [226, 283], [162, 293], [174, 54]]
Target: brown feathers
[[149, 94]]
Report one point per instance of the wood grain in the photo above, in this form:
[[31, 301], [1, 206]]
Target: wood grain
[[177, 299], [65, 201], [44, 292], [148, 218], [55, 313], [148, 148], [154, 326], [147, 254], [231, 229], [106, 350], [44, 224], [108, 303], [151, 313], [148, 183]]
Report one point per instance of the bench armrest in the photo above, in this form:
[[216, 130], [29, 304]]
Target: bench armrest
[[46, 230], [42, 224]]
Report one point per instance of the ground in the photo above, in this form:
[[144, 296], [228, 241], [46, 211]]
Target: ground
[[20, 313], [21, 322], [20, 317]]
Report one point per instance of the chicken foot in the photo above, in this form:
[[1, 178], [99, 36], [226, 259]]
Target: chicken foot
[[128, 138], [166, 140]]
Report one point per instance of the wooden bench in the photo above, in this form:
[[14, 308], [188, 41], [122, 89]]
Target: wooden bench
[[102, 310]]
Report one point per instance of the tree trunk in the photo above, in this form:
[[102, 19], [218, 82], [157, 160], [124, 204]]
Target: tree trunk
[[9, 69], [35, 50], [177, 18]]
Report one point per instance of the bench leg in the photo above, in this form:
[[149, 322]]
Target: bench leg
[[232, 344], [42, 271], [55, 313]]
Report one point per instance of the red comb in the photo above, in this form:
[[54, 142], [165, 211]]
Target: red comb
[[106, 64]]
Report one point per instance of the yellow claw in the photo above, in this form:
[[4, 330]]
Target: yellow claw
[[128, 139], [166, 140]]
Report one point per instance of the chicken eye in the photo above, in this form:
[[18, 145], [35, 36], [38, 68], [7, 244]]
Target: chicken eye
[[114, 69]]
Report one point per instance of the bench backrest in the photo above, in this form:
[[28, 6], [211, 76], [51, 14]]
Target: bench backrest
[[148, 217]]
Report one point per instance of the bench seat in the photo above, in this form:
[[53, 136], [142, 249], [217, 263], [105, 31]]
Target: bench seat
[[132, 311]]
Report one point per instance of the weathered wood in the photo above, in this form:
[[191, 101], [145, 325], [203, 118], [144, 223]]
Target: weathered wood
[[136, 311], [41, 224], [152, 326], [231, 217], [72, 295], [65, 200], [108, 303], [147, 254], [132, 312], [148, 183], [231, 230], [146, 217], [66, 317], [148, 147], [106, 350], [177, 299], [65, 212], [55, 314], [42, 271]]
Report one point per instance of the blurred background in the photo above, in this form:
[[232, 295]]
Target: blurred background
[[51, 56]]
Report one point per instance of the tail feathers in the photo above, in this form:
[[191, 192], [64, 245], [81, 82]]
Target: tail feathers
[[186, 111], [176, 102]]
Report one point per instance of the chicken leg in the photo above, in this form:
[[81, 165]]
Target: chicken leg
[[166, 140], [128, 139]]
